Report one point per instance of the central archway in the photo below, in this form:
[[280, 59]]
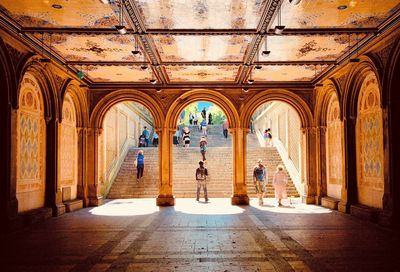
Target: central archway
[[218, 100]]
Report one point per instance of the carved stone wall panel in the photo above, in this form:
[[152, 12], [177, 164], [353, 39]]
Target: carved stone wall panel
[[370, 153], [31, 144]]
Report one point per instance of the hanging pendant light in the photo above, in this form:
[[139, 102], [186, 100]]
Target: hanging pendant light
[[279, 28], [250, 80], [356, 59], [265, 52], [121, 28], [43, 59], [294, 2], [136, 50]]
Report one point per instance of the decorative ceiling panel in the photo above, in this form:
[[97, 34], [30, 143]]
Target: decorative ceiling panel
[[308, 48], [202, 73], [201, 14], [83, 47], [338, 13], [201, 48], [287, 73], [116, 73], [60, 13]]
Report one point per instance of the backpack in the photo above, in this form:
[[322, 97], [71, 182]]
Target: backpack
[[259, 173], [201, 174]]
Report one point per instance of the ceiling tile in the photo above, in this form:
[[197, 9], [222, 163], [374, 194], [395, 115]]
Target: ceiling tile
[[202, 73], [325, 13], [88, 13], [196, 14], [83, 47], [201, 48], [287, 72], [116, 73]]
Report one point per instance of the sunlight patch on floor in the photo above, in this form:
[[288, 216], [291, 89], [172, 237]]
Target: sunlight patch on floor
[[126, 207], [215, 206], [292, 205]]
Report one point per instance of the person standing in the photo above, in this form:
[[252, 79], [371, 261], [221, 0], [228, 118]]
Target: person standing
[[201, 178], [190, 118], [269, 137], [139, 165], [203, 147], [176, 139], [210, 118], [195, 119], [146, 135], [155, 139], [280, 181], [259, 179], [204, 127], [265, 136], [225, 127], [204, 113], [186, 136]]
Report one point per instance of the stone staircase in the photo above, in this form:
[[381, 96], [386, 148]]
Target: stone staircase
[[185, 163], [125, 185]]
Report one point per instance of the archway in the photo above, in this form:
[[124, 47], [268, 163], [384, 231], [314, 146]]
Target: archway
[[230, 112], [275, 139], [128, 128], [305, 177], [200, 137], [30, 147]]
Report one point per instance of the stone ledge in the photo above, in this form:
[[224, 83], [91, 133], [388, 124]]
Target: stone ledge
[[365, 212], [36, 216], [329, 202], [73, 205]]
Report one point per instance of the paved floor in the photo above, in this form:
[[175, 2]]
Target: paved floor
[[135, 235]]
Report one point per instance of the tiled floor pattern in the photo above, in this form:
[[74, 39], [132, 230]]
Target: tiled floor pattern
[[135, 235]]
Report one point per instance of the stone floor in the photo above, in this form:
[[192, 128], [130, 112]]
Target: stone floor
[[135, 235]]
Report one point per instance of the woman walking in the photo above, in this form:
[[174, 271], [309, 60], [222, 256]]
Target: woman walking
[[280, 181], [203, 147], [139, 165], [186, 136]]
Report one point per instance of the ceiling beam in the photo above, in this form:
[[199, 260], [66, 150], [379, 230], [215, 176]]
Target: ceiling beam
[[267, 17], [200, 63], [200, 32]]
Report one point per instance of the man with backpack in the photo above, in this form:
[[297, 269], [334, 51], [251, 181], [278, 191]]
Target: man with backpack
[[146, 134], [201, 178], [259, 179], [203, 147]]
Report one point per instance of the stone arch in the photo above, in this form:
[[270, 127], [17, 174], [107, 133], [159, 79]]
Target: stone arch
[[102, 107], [78, 97], [202, 95], [30, 146], [306, 173], [68, 155], [281, 95], [369, 143]]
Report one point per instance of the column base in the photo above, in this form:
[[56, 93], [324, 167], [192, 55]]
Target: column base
[[240, 200], [58, 209], [96, 201], [308, 199], [343, 207], [165, 200]]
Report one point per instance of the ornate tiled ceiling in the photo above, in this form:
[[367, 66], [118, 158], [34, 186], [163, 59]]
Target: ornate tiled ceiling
[[199, 41]]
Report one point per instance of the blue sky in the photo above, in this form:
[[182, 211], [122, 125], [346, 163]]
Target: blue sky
[[202, 104]]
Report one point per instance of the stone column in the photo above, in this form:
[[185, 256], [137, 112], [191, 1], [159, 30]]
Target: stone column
[[321, 163], [53, 190], [94, 195], [240, 196], [349, 186], [165, 196], [308, 162], [82, 190]]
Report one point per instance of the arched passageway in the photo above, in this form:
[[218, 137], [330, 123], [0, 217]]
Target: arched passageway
[[200, 137]]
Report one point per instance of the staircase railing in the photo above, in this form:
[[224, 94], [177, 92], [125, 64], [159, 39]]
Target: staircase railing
[[112, 171], [294, 173]]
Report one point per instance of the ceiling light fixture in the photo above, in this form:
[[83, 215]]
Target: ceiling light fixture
[[245, 89], [105, 2], [342, 7], [250, 80], [56, 6], [265, 52], [158, 90], [144, 65], [294, 2], [279, 28], [136, 50], [121, 28]]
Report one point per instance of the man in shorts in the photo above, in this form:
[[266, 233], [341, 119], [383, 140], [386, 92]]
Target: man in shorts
[[259, 179]]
